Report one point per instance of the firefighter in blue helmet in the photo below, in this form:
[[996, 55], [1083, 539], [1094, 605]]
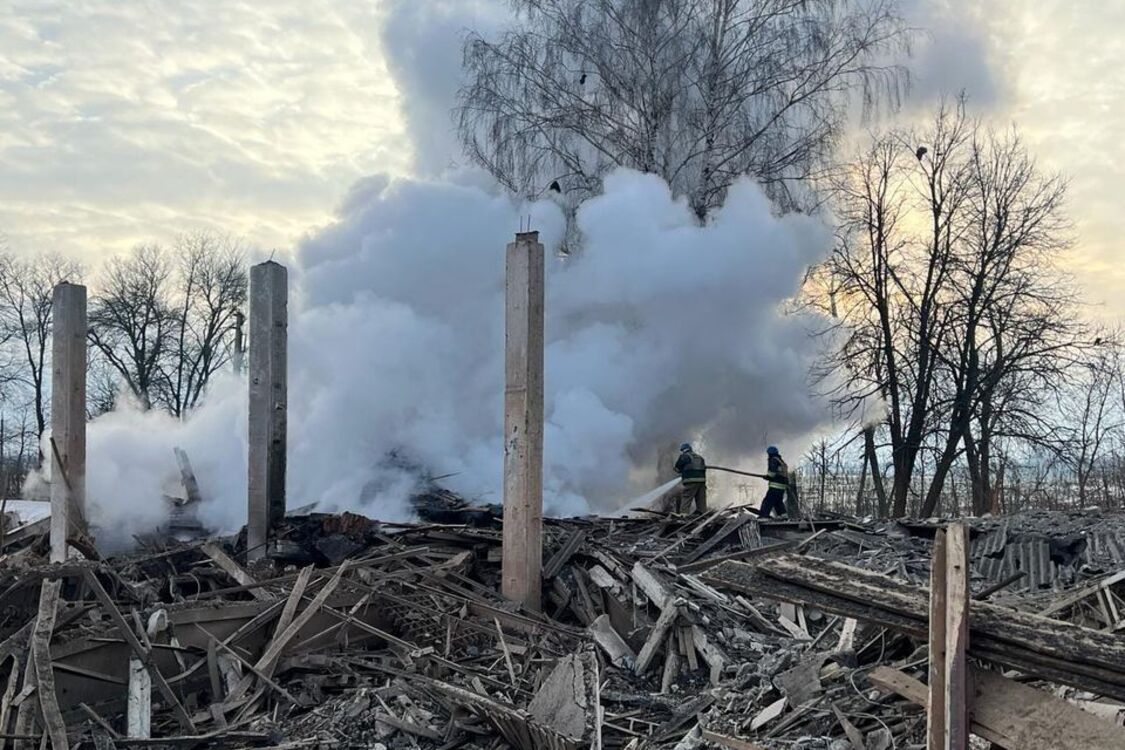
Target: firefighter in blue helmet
[[693, 478], [777, 474]]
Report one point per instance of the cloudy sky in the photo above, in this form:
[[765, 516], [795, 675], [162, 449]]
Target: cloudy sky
[[126, 121]]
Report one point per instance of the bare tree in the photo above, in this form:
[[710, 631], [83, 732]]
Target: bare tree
[[699, 92], [893, 279], [132, 318], [26, 291], [957, 316], [1093, 420], [1016, 325], [211, 286], [163, 319]]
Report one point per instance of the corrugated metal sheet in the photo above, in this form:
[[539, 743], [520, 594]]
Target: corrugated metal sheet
[[1032, 556], [990, 544], [1104, 549]]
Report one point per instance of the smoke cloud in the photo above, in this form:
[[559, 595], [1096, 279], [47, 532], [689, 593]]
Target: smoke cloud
[[659, 330]]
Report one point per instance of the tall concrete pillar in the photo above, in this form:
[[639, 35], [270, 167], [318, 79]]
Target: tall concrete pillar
[[523, 422], [268, 404], [68, 416]]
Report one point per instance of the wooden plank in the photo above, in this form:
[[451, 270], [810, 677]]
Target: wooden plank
[[1014, 715], [768, 714], [138, 715], [654, 589], [663, 624], [9, 694], [406, 726], [687, 648], [294, 599], [273, 651], [215, 642], [956, 636], [233, 569], [187, 476], [555, 565], [730, 527], [847, 635], [793, 628], [711, 653], [145, 656], [606, 636], [25, 713], [41, 656], [1050, 649], [935, 711], [507, 653], [671, 664], [855, 737], [97, 719]]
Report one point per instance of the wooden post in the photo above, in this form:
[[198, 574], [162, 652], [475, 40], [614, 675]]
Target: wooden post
[[523, 422], [138, 717], [935, 709], [948, 708], [956, 636], [67, 450], [268, 405]]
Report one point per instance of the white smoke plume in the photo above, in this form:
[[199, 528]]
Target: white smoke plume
[[659, 330]]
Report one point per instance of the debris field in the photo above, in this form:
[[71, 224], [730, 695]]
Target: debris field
[[658, 631]]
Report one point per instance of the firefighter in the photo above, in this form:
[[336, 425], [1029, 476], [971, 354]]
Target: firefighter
[[693, 478], [777, 474]]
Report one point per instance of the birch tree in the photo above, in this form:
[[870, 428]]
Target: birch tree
[[700, 92]]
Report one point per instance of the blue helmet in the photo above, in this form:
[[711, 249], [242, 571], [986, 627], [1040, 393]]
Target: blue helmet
[[685, 447], [773, 451]]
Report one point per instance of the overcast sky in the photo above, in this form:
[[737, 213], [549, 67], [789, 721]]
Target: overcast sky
[[129, 121]]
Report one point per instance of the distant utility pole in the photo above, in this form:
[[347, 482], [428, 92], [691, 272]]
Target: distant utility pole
[[239, 342], [523, 422]]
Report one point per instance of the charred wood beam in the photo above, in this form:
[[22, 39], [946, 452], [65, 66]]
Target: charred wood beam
[[1050, 649]]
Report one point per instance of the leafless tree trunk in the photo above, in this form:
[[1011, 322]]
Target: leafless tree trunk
[[871, 455]]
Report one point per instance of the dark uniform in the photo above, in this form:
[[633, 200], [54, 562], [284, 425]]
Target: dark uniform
[[693, 477], [777, 474]]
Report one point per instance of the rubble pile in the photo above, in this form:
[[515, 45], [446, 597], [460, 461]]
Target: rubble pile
[[658, 631]]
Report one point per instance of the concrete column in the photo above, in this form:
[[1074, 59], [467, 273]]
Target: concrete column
[[67, 450], [268, 404], [523, 422]]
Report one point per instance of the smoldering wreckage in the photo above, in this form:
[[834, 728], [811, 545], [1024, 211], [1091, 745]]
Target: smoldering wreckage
[[662, 631], [481, 628]]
